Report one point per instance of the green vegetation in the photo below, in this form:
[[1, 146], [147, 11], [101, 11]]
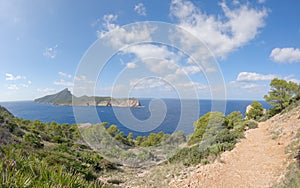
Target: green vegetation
[[281, 95], [256, 112], [214, 133], [36, 154]]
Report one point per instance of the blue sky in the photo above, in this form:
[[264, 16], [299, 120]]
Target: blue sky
[[252, 42]]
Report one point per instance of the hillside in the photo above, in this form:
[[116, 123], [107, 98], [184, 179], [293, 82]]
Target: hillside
[[266, 157], [35, 154], [65, 98], [259, 160]]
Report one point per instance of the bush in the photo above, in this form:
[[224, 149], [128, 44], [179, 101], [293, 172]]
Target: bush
[[207, 126], [252, 124], [256, 111], [234, 118]]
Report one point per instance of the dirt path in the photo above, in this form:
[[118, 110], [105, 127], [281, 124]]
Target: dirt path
[[257, 161]]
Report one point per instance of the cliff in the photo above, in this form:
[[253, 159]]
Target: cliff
[[66, 98]]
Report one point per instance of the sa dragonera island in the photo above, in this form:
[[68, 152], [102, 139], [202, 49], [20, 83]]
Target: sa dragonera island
[[66, 98]]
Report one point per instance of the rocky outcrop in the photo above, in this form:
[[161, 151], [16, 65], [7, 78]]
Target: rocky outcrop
[[106, 101], [65, 98]]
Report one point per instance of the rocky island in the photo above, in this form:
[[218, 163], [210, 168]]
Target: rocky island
[[66, 98]]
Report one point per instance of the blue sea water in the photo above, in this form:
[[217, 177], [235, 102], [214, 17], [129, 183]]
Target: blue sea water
[[178, 115]]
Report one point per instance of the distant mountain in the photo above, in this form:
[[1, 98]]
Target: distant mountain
[[65, 97]]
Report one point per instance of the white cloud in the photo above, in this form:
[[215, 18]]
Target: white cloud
[[124, 36], [26, 85], [222, 34], [234, 87], [11, 77], [64, 83], [157, 58], [12, 87], [108, 24], [252, 76], [144, 51], [191, 69], [129, 35], [46, 90], [285, 55], [62, 74], [50, 52], [131, 65], [80, 78], [140, 9]]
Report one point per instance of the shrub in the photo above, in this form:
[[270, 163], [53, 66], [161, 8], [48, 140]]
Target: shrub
[[234, 118], [207, 126], [252, 124], [256, 111]]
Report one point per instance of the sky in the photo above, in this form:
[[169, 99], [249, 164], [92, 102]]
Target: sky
[[210, 49]]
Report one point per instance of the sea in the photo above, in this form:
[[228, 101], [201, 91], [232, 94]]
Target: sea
[[154, 115]]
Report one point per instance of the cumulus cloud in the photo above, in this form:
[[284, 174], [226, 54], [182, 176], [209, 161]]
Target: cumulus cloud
[[191, 69], [234, 87], [222, 34], [65, 75], [124, 36], [157, 59], [18, 81], [144, 51], [285, 55], [50, 52], [131, 65], [11, 77], [140, 9], [108, 24], [253, 76]]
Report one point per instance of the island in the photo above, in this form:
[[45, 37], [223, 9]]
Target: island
[[66, 98]]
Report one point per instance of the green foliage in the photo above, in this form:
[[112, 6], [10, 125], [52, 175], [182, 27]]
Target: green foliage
[[252, 124], [38, 154], [256, 112], [21, 168], [234, 118], [33, 140], [207, 126], [153, 139], [220, 134], [113, 130], [282, 93]]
